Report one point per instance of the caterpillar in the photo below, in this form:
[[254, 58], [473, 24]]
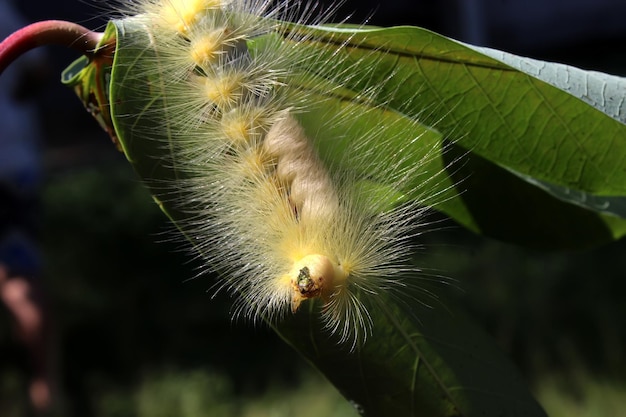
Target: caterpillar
[[277, 200]]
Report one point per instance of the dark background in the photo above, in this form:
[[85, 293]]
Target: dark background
[[121, 294]]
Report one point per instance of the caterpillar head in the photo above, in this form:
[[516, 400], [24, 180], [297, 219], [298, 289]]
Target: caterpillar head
[[314, 276]]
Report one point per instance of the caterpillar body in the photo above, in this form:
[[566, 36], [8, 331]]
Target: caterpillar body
[[280, 217]]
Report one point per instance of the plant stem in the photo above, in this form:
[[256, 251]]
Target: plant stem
[[49, 32]]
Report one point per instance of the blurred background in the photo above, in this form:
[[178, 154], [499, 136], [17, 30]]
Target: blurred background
[[132, 332]]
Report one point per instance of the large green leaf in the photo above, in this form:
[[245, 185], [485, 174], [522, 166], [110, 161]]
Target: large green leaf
[[568, 142], [498, 111], [476, 192], [604, 92], [419, 360]]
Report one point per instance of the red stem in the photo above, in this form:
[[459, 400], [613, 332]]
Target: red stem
[[49, 32]]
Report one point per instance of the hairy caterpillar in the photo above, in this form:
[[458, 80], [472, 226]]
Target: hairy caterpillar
[[280, 217]]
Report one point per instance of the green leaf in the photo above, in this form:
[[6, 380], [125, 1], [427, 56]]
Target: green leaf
[[137, 104], [461, 183], [512, 209], [421, 361], [548, 143], [497, 111], [605, 92], [89, 78], [431, 186]]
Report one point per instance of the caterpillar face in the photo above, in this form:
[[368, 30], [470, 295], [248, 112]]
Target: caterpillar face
[[282, 222], [314, 276]]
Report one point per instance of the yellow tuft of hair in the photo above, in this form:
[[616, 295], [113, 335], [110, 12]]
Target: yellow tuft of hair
[[224, 90], [181, 15], [206, 48], [244, 125], [254, 164]]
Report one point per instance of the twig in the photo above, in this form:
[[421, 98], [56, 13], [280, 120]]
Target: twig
[[49, 32]]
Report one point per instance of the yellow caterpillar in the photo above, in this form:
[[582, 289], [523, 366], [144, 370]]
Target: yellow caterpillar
[[280, 220]]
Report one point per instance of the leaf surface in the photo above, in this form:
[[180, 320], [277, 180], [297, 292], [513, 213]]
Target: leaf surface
[[414, 364], [494, 109], [558, 129], [421, 361]]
